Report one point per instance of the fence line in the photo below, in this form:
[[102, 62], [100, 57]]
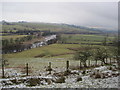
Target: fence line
[[27, 66]]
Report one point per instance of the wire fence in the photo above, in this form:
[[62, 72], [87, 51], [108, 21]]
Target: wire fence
[[27, 69]]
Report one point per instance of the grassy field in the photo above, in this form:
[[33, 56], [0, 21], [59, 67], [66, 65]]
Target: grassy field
[[57, 54], [45, 26], [21, 58], [12, 36], [81, 38], [55, 50], [3, 34], [39, 64]]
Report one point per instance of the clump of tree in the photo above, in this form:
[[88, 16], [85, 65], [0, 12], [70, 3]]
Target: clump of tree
[[47, 32], [9, 45], [83, 56], [100, 54]]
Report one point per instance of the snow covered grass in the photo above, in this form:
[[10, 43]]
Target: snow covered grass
[[45, 80]]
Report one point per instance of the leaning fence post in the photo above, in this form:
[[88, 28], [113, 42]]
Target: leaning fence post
[[26, 69], [67, 66]]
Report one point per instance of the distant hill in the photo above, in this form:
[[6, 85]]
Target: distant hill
[[53, 27]]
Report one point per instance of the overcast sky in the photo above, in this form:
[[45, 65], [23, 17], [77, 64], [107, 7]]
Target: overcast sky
[[90, 14]]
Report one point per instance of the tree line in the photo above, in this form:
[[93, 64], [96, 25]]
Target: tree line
[[101, 53], [17, 45], [9, 45]]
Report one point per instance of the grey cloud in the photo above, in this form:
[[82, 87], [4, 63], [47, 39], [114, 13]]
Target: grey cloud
[[80, 13]]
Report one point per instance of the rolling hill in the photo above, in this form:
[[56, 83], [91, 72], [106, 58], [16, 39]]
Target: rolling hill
[[52, 27]]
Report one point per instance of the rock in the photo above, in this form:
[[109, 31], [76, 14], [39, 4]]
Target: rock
[[39, 74], [101, 68], [97, 75], [6, 83], [49, 81], [67, 73], [114, 69], [92, 74], [43, 82], [58, 74], [60, 80], [79, 79], [109, 74], [33, 81], [21, 80], [15, 81], [87, 71], [110, 68], [115, 74], [102, 76], [48, 69], [83, 72], [77, 71]]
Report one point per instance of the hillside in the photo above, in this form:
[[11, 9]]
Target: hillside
[[52, 27]]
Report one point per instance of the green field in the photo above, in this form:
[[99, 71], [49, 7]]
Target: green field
[[39, 64], [83, 38], [3, 34], [73, 38], [12, 36], [59, 60], [45, 27], [54, 50]]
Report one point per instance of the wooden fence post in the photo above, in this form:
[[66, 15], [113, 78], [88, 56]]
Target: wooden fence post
[[89, 63], [80, 64], [96, 62], [3, 73], [67, 66], [50, 69], [26, 69], [110, 60]]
